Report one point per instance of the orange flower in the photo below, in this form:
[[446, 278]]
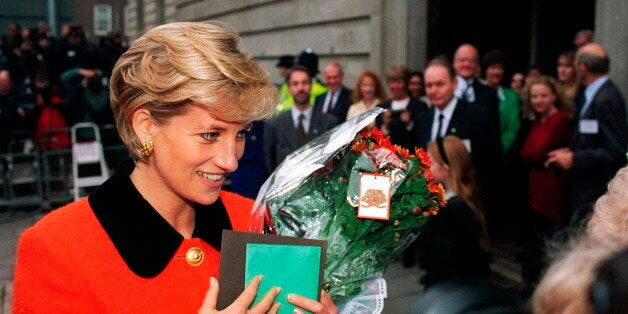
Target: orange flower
[[423, 158], [427, 174], [404, 152], [375, 133], [438, 190], [358, 145]]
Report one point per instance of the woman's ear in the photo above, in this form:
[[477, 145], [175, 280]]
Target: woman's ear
[[143, 124], [446, 168]]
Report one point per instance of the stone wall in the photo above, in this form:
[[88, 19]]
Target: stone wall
[[360, 34]]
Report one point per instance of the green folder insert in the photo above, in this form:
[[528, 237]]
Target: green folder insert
[[294, 268]]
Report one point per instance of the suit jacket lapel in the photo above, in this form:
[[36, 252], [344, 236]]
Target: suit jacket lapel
[[313, 131], [456, 118], [288, 125]]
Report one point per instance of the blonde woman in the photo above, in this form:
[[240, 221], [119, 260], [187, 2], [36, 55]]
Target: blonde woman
[[148, 239]]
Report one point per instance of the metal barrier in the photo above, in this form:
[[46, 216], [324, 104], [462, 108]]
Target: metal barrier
[[21, 182], [40, 174]]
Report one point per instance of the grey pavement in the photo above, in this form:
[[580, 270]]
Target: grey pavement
[[403, 283]]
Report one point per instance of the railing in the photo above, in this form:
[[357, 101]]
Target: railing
[[40, 174]]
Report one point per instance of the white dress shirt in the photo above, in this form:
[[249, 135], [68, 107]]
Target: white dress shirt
[[447, 113]]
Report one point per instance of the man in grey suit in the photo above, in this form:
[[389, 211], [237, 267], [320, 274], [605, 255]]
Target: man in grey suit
[[291, 129], [598, 148], [337, 100]]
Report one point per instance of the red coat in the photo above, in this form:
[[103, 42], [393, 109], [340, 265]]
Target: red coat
[[547, 187], [78, 259]]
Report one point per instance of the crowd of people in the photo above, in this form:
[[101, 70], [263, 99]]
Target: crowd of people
[[541, 151], [50, 83]]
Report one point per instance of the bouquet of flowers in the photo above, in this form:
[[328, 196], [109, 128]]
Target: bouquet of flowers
[[315, 194]]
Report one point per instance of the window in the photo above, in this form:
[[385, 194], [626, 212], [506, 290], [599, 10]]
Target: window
[[102, 19]]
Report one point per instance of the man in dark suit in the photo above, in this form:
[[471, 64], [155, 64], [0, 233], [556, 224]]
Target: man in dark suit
[[466, 64], [337, 100], [598, 148], [450, 115], [291, 129], [401, 110]]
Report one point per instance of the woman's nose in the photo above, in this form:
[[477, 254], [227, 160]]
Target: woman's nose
[[227, 157]]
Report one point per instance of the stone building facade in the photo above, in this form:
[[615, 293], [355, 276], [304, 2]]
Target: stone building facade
[[374, 34]]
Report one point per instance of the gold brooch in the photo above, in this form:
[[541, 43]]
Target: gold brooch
[[194, 256]]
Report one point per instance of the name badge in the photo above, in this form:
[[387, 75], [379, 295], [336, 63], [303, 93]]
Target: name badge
[[375, 194], [588, 126]]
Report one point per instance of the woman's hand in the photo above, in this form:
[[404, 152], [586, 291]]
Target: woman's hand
[[242, 303], [325, 306]]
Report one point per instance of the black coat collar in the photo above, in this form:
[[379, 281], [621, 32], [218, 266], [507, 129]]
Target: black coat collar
[[144, 240]]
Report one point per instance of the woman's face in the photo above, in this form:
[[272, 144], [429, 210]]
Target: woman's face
[[194, 152], [367, 88], [542, 98], [398, 89], [415, 86], [494, 74], [565, 70], [440, 171]]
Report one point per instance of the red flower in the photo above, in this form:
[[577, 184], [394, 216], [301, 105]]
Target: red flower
[[423, 158], [375, 133], [427, 174], [438, 190], [404, 152]]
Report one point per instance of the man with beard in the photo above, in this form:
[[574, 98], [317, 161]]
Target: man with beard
[[291, 129]]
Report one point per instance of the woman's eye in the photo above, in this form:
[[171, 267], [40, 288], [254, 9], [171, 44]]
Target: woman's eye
[[242, 134], [210, 136]]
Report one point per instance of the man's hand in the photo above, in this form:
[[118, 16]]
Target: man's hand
[[562, 157]]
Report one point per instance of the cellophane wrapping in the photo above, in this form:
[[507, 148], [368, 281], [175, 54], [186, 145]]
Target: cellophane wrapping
[[314, 194]]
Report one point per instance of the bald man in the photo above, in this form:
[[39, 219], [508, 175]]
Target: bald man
[[598, 148], [337, 100], [469, 88]]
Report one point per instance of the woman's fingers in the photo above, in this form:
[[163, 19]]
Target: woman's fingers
[[211, 297], [328, 303], [326, 306], [306, 303], [248, 295], [267, 301]]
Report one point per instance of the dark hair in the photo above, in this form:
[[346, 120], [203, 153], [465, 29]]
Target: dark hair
[[297, 68], [493, 57]]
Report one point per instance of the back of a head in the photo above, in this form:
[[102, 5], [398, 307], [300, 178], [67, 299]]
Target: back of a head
[[594, 58], [566, 284], [610, 215], [180, 63], [462, 177]]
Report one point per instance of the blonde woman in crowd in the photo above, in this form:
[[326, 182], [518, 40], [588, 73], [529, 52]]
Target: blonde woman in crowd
[[148, 239]]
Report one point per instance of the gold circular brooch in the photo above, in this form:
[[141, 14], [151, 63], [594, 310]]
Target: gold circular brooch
[[194, 256]]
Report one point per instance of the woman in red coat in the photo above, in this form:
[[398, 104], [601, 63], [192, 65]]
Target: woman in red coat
[[546, 185], [148, 239]]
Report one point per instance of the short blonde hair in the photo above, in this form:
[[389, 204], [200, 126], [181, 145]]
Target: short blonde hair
[[565, 286], [177, 64], [610, 216]]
